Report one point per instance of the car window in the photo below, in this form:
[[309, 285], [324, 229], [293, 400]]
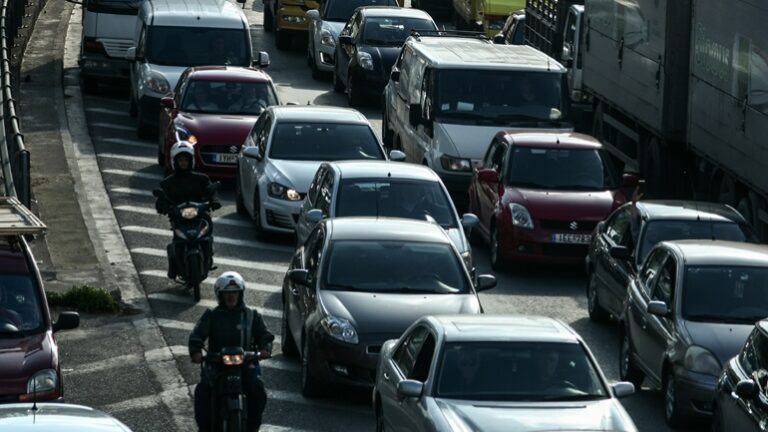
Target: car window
[[725, 293], [342, 10], [311, 141], [497, 159], [392, 30], [141, 48], [754, 355], [197, 46], [664, 285], [227, 97], [561, 169], [355, 28], [420, 371], [263, 137], [315, 186], [20, 305], [651, 268], [617, 226], [668, 230], [325, 194], [406, 354], [415, 75]]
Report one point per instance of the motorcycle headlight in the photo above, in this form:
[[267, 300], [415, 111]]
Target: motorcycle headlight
[[157, 83], [232, 359], [189, 212], [365, 60], [276, 190], [520, 216], [326, 38], [184, 135], [43, 381], [339, 328], [450, 163], [701, 360]]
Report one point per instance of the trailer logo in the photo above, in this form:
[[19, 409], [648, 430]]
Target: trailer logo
[[711, 56]]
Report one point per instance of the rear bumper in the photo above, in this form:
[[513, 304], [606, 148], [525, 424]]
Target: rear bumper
[[536, 246], [99, 66]]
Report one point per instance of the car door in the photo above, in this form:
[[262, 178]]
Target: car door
[[612, 275], [636, 315], [293, 295], [660, 330], [312, 260], [303, 227]]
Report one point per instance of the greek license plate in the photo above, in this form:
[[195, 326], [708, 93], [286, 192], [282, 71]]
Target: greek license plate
[[225, 158], [572, 238]]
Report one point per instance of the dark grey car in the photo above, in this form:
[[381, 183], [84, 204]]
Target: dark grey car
[[357, 282], [688, 312]]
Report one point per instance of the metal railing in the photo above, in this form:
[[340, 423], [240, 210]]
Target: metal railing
[[14, 156]]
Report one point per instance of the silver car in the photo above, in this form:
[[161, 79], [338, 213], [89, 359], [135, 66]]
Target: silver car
[[57, 417], [494, 373], [283, 151]]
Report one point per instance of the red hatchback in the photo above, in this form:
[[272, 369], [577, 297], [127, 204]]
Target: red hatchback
[[214, 108], [539, 195]]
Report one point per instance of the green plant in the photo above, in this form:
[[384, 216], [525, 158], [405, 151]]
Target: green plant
[[84, 298]]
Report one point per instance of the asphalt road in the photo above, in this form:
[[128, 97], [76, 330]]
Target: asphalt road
[[130, 172]]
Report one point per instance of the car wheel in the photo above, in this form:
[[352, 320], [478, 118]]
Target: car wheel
[[282, 40], [260, 231], [628, 371], [239, 202], [672, 413], [286, 337], [268, 20], [338, 85], [497, 260], [310, 388], [354, 97], [596, 312]]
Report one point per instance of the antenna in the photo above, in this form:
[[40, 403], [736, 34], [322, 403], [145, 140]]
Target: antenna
[[34, 395]]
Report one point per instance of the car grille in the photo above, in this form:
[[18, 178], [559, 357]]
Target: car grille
[[565, 225], [116, 48], [281, 220], [208, 152], [564, 250]]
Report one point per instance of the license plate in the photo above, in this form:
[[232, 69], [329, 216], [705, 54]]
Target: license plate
[[225, 158], [572, 238]]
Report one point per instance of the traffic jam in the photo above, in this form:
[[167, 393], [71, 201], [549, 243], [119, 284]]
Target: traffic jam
[[617, 140]]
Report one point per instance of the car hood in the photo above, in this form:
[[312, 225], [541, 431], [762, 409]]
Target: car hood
[[295, 174], [724, 340], [217, 128], [602, 415], [559, 205], [393, 313], [470, 141], [20, 358]]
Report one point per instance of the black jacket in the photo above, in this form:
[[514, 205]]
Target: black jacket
[[221, 328], [182, 187]]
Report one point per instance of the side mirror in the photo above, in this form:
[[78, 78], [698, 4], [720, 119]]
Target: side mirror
[[499, 39], [67, 321], [409, 389], [746, 389], [130, 54], [658, 308], [396, 156], [469, 221], [629, 180], [623, 389], [313, 14], [299, 276], [394, 75], [168, 102], [414, 114], [621, 253], [252, 152], [314, 216], [345, 40], [485, 282], [262, 60], [488, 176]]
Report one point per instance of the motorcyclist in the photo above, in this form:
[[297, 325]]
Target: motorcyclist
[[181, 186], [223, 327]]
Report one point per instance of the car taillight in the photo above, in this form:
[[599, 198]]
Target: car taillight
[[92, 45]]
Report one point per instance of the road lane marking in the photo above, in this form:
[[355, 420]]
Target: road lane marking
[[113, 126], [128, 143], [221, 261], [106, 111], [175, 324], [219, 220], [138, 159], [217, 239], [268, 312], [91, 332], [132, 191], [107, 363], [251, 286], [137, 174]]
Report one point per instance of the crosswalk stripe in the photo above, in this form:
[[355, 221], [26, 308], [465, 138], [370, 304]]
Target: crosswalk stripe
[[129, 143], [107, 363], [106, 111], [87, 333], [219, 220], [175, 324], [139, 159], [273, 313], [251, 286], [132, 191], [113, 126], [251, 265], [137, 174], [274, 428], [216, 239]]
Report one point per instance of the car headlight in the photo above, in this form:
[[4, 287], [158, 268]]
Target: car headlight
[[326, 38], [184, 135], [450, 163], [44, 381], [157, 83], [339, 328], [520, 216], [701, 360], [276, 190], [365, 60]]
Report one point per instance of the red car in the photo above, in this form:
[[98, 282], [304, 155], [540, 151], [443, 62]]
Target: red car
[[214, 108], [29, 355], [539, 195]]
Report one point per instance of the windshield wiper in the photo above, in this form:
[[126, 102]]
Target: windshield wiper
[[575, 397]]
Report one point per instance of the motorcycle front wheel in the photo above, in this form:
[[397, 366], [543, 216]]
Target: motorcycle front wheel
[[194, 272]]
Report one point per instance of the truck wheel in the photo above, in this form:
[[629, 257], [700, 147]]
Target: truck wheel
[[758, 205]]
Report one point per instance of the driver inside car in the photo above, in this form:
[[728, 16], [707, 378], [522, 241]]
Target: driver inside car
[[7, 314], [250, 100]]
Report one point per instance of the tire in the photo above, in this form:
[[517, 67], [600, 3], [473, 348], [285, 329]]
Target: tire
[[310, 387], [239, 202], [596, 312], [260, 231], [497, 257], [628, 371], [338, 86], [269, 20], [282, 40], [286, 337], [354, 98], [672, 413], [194, 270], [726, 191], [90, 85]]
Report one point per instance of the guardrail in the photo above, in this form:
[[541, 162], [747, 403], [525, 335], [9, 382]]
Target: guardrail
[[14, 156]]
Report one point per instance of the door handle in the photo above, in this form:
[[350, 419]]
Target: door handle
[[386, 376]]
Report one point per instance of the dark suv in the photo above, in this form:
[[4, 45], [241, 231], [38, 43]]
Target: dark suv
[[615, 253]]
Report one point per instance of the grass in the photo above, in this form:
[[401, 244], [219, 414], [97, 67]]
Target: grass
[[84, 298]]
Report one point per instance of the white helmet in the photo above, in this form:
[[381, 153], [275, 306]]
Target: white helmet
[[180, 148], [228, 281]]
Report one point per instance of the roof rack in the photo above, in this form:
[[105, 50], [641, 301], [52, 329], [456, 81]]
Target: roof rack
[[15, 219], [450, 33]]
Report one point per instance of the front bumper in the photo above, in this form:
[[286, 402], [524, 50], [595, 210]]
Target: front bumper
[[337, 362], [695, 392], [150, 110], [279, 215], [218, 161], [536, 245], [99, 66]]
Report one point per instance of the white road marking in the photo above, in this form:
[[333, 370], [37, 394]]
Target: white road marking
[[175, 324], [222, 261], [129, 143], [220, 220], [107, 363], [251, 286], [132, 191], [113, 126], [217, 239], [106, 111], [137, 174], [94, 332], [273, 313], [139, 159]]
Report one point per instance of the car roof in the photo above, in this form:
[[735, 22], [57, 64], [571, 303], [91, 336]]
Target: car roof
[[383, 169], [318, 114], [508, 328], [60, 417], [687, 210], [477, 53], [571, 140], [393, 11], [384, 228], [196, 13], [720, 252], [228, 73]]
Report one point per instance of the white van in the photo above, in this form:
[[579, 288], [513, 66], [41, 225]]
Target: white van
[[172, 35], [450, 93]]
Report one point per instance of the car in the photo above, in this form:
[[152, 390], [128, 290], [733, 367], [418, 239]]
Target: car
[[362, 188], [324, 27], [539, 195], [29, 354], [286, 19], [357, 282], [513, 32], [615, 254], [281, 155], [57, 417], [741, 402], [494, 374], [214, 107], [687, 313], [368, 47]]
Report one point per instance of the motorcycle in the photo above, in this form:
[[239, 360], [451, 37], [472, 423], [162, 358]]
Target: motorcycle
[[229, 411], [192, 231]]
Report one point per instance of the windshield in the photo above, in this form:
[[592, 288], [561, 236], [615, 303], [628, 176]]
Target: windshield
[[197, 46], [500, 97], [517, 371], [725, 294], [670, 230], [324, 142], [561, 169], [392, 31], [341, 10], [115, 7], [409, 199], [395, 267], [220, 97], [20, 311]]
